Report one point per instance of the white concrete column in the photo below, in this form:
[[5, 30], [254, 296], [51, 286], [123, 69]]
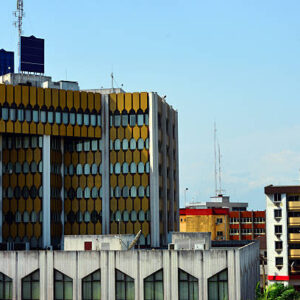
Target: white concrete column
[[111, 275], [1, 199], [62, 193], [104, 274], [46, 192], [154, 176], [105, 164], [167, 275]]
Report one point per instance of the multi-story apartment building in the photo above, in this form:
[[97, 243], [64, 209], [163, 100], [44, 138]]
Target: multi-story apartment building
[[77, 162], [283, 234]]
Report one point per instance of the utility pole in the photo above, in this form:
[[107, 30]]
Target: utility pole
[[19, 14]]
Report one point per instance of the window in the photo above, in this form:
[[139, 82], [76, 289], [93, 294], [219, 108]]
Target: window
[[43, 115], [277, 213], [124, 118], [28, 116], [13, 113], [125, 144], [31, 286], [35, 114], [187, 285], [219, 221], [218, 286], [91, 286], [219, 233], [141, 168], [117, 119], [279, 261], [278, 245], [72, 117], [277, 197], [79, 118], [86, 118], [66, 117], [132, 118], [5, 287], [140, 144], [140, 118], [63, 286], [133, 168], [154, 287], [93, 120], [278, 229], [58, 117], [117, 144], [132, 144], [5, 113], [21, 114], [124, 286]]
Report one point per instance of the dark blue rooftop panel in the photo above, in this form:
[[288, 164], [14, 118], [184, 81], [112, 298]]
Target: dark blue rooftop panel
[[7, 64], [32, 54]]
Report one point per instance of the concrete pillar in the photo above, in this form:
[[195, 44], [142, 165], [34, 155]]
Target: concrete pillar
[[111, 275], [46, 192], [167, 275], [62, 193], [104, 275], [154, 176], [105, 164], [1, 199]]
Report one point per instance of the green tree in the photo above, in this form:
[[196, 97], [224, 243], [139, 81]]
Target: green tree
[[277, 291]]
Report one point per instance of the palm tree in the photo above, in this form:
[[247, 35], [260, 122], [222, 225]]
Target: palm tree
[[277, 291]]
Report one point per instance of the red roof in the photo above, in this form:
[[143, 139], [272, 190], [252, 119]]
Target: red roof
[[204, 211]]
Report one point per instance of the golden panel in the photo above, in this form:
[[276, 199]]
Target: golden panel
[[98, 228], [69, 99], [5, 180], [2, 93], [144, 101], [32, 95], [129, 180], [145, 180], [75, 205], [13, 230], [63, 130], [29, 180], [29, 155], [128, 133], [67, 181], [82, 158], [136, 132], [9, 94], [82, 228], [84, 131], [76, 100], [90, 181], [121, 180], [97, 102], [37, 155], [13, 180], [137, 227], [90, 157], [91, 105], [91, 132], [113, 157], [122, 228], [113, 228], [5, 206], [113, 133], [144, 155], [90, 228], [17, 94], [74, 158], [37, 205], [47, 97], [121, 204], [2, 126], [67, 229], [128, 203], [113, 204], [5, 156], [144, 132], [83, 100], [74, 181], [69, 130], [55, 102], [136, 180], [29, 229], [129, 227], [32, 128], [98, 180], [121, 157], [75, 228], [21, 230], [13, 155], [82, 181], [128, 102], [48, 129], [82, 204], [40, 128], [67, 158], [145, 228], [21, 180], [97, 132], [145, 204], [76, 130], [29, 205], [97, 157], [98, 204], [62, 98], [37, 230], [22, 205], [54, 129], [136, 156], [137, 204], [136, 101], [120, 102], [128, 157], [113, 180], [112, 102], [90, 205], [9, 126], [13, 205], [25, 95]]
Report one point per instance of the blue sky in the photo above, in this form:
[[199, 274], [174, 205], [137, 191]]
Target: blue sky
[[233, 62]]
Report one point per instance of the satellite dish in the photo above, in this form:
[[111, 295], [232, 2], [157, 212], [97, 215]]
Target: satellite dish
[[135, 240]]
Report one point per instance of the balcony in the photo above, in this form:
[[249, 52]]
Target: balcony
[[294, 221], [294, 253], [294, 237], [294, 205]]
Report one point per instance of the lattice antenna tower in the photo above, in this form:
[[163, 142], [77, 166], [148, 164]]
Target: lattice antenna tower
[[19, 14], [215, 152]]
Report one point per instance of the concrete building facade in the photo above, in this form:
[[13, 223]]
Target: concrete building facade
[[77, 163]]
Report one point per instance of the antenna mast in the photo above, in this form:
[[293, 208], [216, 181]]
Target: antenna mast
[[112, 80], [220, 174], [215, 149], [19, 14]]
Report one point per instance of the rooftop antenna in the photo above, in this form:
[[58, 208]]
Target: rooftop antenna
[[215, 150], [112, 80], [220, 174], [19, 14]]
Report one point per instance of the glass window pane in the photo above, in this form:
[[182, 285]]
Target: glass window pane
[[58, 117], [35, 114], [5, 113], [13, 114], [79, 119], [65, 118], [159, 291], [72, 118], [183, 290], [59, 292], [93, 120], [43, 116], [35, 290], [28, 115], [130, 291], [86, 291], [50, 117], [26, 290], [132, 120], [140, 119], [68, 290], [96, 286]]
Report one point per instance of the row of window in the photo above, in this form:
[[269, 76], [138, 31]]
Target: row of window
[[247, 230], [247, 220], [131, 192], [132, 216], [131, 144], [131, 168], [22, 142], [188, 286], [85, 169], [25, 168], [72, 145], [24, 217], [131, 119], [24, 192], [51, 116]]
